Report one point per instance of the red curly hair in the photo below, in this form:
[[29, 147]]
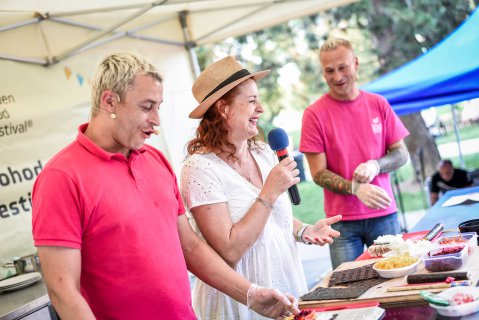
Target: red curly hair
[[212, 132]]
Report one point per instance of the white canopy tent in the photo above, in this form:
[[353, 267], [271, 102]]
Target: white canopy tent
[[48, 31], [49, 49]]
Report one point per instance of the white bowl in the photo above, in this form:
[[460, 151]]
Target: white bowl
[[398, 272], [461, 309]]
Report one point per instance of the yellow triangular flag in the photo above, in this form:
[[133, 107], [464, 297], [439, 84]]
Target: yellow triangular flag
[[68, 72]]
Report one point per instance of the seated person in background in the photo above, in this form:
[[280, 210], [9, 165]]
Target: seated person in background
[[447, 178]]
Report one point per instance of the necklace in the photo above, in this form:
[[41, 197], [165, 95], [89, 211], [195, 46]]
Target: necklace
[[246, 171]]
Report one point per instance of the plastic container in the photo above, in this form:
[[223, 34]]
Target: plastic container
[[398, 272], [456, 238], [445, 262], [470, 226], [461, 309]]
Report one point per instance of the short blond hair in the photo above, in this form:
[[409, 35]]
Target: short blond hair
[[117, 73], [333, 43]]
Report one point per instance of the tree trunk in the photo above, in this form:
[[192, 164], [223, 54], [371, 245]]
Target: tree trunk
[[422, 147]]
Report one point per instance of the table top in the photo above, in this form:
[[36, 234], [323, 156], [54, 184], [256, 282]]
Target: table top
[[16, 304], [449, 216]]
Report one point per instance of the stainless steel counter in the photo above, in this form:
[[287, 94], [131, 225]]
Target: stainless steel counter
[[28, 303]]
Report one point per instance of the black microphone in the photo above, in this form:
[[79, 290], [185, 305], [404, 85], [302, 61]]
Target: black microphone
[[278, 141]]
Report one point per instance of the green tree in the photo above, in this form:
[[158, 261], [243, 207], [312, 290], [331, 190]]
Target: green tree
[[385, 34], [291, 44]]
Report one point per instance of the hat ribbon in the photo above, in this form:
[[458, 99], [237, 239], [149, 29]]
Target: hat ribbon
[[235, 76]]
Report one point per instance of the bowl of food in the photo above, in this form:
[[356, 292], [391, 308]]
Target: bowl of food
[[470, 226], [396, 266], [462, 301]]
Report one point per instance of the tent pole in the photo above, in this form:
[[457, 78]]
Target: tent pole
[[189, 45], [42, 62], [458, 138], [105, 32]]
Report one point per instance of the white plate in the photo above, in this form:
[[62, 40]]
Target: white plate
[[459, 310], [19, 282], [398, 272]]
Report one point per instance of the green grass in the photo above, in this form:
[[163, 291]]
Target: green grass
[[295, 137], [415, 200], [311, 208], [465, 133], [411, 201]]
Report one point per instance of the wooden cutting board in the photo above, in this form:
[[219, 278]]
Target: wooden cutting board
[[380, 293]]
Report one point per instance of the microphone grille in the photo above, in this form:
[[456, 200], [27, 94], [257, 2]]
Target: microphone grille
[[278, 139]]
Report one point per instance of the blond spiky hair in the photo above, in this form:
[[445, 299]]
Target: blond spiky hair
[[334, 43], [117, 72]]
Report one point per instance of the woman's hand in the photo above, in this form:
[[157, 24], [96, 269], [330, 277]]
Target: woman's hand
[[280, 178], [271, 302], [321, 232]]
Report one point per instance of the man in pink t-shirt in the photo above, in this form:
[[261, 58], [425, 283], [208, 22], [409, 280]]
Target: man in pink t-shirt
[[352, 139], [108, 219]]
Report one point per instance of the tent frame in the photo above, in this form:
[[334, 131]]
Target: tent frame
[[111, 33]]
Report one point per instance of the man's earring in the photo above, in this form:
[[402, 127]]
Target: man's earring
[[113, 115]]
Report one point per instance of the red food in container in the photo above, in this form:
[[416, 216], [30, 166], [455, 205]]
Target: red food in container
[[441, 259], [455, 238]]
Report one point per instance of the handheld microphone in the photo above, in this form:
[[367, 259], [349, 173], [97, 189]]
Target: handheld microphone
[[278, 141]]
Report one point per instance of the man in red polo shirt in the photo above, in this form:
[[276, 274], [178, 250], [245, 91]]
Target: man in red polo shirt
[[108, 219]]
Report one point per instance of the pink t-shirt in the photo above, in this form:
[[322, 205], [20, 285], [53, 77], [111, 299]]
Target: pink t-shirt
[[349, 133], [122, 214]]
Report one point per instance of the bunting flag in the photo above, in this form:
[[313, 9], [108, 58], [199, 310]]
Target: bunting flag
[[68, 72], [80, 79]]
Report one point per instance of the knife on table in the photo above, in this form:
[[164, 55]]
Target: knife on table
[[434, 231]]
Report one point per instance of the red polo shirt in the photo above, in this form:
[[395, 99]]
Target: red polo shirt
[[122, 214]]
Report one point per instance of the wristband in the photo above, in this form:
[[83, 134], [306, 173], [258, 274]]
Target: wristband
[[354, 187], [299, 234]]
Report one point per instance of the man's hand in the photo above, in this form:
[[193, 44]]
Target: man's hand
[[366, 171], [371, 195], [321, 232], [270, 302]]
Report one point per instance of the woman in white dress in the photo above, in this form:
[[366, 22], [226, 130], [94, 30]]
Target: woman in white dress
[[234, 188]]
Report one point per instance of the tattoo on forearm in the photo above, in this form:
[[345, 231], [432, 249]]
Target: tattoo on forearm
[[395, 159], [332, 182]]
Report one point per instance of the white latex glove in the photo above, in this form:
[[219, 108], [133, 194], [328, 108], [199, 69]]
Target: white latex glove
[[371, 195], [270, 302], [366, 171]]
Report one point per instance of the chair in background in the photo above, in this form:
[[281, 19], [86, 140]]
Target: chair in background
[[427, 190], [474, 176]]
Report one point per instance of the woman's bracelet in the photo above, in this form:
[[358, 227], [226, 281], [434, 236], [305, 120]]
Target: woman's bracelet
[[300, 233], [265, 203]]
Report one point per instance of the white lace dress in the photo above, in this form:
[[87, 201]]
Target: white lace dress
[[272, 261]]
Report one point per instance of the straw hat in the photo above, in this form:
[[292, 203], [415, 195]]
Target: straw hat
[[216, 80]]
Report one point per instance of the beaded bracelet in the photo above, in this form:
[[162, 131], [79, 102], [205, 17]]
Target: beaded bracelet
[[265, 203]]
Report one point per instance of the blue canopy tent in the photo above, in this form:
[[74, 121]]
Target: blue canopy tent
[[446, 74]]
